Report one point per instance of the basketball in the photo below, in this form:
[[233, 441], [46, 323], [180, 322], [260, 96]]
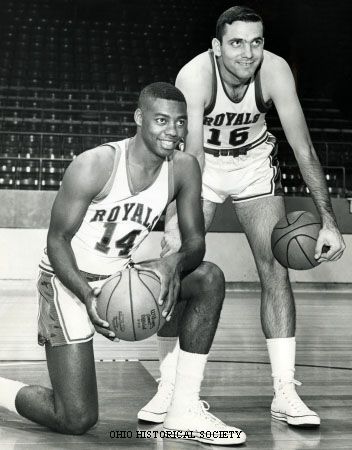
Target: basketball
[[129, 302], [294, 238]]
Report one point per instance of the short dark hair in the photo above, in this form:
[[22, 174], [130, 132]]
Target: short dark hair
[[236, 13], [162, 90]]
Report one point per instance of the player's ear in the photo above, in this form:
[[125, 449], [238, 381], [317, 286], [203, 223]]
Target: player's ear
[[216, 46], [138, 116]]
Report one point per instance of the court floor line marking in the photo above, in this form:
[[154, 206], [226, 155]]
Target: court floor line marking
[[222, 361]]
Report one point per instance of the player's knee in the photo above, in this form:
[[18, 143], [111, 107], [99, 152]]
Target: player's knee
[[271, 271], [80, 422], [211, 279]]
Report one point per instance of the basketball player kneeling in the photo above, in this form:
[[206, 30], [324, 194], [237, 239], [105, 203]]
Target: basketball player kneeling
[[110, 199]]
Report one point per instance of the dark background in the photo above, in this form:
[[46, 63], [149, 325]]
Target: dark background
[[71, 70]]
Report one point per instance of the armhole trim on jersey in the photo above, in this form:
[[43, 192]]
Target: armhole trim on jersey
[[208, 109], [108, 185], [171, 180], [262, 106]]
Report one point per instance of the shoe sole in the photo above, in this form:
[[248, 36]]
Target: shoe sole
[[215, 441], [149, 416], [306, 421]]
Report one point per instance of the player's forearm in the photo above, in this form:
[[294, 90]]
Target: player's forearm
[[65, 267], [314, 178], [191, 253]]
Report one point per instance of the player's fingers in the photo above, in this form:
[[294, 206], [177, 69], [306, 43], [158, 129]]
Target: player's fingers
[[165, 250], [96, 320], [169, 251], [170, 298], [177, 286], [329, 252], [147, 268], [105, 332], [336, 257], [337, 254], [318, 249], [164, 291], [168, 318], [96, 290]]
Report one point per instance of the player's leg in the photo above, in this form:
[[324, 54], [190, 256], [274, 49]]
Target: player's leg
[[167, 338], [168, 350], [182, 324], [209, 210], [278, 316], [203, 291], [258, 218], [71, 406]]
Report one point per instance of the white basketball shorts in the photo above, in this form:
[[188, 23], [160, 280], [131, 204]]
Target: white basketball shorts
[[62, 317], [245, 177]]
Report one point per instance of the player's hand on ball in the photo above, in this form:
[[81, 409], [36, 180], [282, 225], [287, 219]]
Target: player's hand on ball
[[168, 271], [330, 244], [99, 324], [170, 243]]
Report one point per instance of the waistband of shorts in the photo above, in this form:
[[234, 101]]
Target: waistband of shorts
[[234, 152], [94, 277], [88, 276]]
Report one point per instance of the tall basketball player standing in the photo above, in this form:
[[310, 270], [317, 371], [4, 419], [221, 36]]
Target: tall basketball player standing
[[228, 90], [110, 199]]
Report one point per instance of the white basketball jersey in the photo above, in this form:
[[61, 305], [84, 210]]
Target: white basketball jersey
[[229, 124], [118, 220]]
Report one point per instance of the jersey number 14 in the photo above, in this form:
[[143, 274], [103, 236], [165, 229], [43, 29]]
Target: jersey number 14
[[126, 243]]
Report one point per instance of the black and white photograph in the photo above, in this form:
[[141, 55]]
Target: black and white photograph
[[175, 224]]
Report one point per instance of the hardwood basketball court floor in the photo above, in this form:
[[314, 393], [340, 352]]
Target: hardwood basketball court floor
[[237, 382]]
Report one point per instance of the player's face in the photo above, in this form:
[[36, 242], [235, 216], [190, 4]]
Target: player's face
[[241, 49], [163, 125]]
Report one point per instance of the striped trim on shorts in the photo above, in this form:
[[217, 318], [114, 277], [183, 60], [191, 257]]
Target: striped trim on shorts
[[62, 317]]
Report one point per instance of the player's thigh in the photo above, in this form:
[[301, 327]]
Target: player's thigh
[[209, 209], [258, 218], [73, 378], [206, 278]]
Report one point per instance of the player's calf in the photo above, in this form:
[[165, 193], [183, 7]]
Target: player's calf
[[204, 290], [41, 405]]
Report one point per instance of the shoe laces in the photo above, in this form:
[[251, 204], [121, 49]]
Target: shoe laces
[[202, 409], [288, 391], [166, 389]]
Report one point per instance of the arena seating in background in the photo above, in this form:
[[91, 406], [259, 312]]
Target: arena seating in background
[[69, 83], [42, 130]]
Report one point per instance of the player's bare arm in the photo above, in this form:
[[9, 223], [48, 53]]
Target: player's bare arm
[[278, 84], [83, 180], [194, 80], [191, 222]]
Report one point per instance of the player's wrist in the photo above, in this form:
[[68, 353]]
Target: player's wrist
[[328, 222]]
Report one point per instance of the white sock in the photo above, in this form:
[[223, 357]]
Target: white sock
[[8, 393], [282, 354], [189, 376], [168, 350]]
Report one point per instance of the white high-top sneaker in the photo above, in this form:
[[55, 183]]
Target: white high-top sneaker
[[288, 406], [155, 410], [198, 424]]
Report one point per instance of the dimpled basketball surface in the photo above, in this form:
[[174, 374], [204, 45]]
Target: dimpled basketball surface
[[294, 238], [129, 302]]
